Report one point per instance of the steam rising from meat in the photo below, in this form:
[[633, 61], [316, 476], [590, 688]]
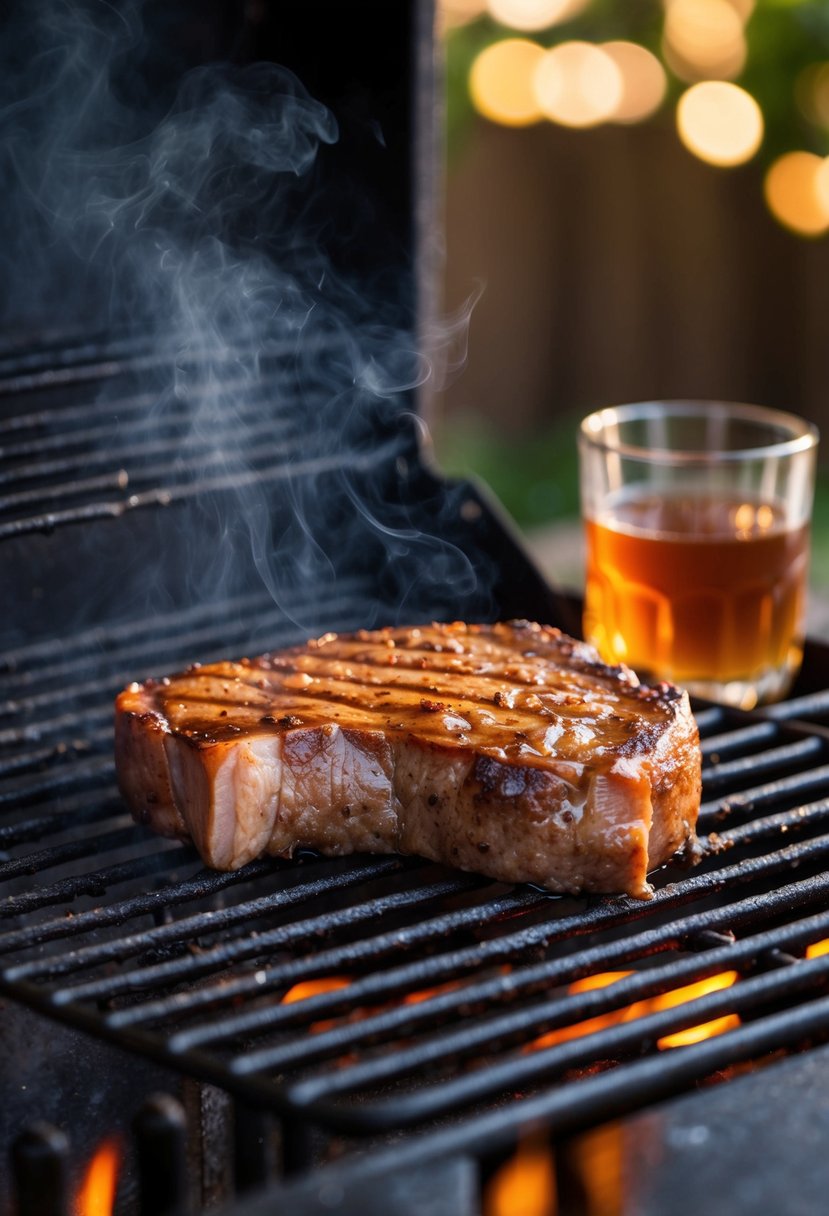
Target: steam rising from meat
[[200, 217]]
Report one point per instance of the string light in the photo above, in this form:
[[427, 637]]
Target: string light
[[822, 183], [719, 122], [743, 8], [578, 85], [704, 39], [454, 13], [796, 195], [527, 15], [811, 90], [501, 82], [644, 82]]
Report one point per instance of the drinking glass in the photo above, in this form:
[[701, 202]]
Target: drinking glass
[[697, 525]]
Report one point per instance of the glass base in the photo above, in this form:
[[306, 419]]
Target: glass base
[[772, 685]]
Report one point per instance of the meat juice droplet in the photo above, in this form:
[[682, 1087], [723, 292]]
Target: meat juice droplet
[[298, 679]]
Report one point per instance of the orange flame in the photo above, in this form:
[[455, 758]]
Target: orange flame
[[679, 996], [565, 1033], [594, 1161], [525, 1185], [425, 994], [696, 1034], [818, 948], [96, 1194], [308, 988]]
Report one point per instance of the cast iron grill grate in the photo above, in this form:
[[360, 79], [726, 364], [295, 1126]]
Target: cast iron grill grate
[[433, 1002], [111, 427], [435, 996], [133, 484]]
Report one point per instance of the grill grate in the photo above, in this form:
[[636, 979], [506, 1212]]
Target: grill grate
[[88, 439], [442, 992], [435, 1003], [128, 480]]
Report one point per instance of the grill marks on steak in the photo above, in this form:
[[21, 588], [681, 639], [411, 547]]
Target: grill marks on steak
[[509, 749]]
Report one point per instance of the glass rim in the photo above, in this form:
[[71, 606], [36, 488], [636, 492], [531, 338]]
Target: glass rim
[[593, 431]]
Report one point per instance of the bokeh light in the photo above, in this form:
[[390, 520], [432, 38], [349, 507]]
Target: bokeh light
[[744, 8], [453, 13], [812, 93], [704, 39], [577, 84], [501, 82], [822, 183], [534, 14], [796, 195], [644, 82], [719, 122], [516, 82]]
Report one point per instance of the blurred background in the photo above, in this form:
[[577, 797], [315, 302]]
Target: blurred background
[[639, 191]]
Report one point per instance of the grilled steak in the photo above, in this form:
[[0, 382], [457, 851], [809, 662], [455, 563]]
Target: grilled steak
[[509, 750]]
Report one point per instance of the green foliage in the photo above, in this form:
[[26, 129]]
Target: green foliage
[[534, 476], [784, 37], [820, 532]]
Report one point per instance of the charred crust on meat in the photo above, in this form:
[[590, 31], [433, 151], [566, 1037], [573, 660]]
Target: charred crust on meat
[[432, 707], [641, 740], [152, 719], [495, 779]]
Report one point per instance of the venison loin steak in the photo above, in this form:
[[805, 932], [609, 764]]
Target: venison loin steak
[[510, 750]]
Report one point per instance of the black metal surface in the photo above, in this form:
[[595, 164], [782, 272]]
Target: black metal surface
[[40, 1159], [449, 1188], [758, 1144], [443, 982], [365, 210], [160, 1139]]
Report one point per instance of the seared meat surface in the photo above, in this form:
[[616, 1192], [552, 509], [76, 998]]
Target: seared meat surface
[[507, 749]]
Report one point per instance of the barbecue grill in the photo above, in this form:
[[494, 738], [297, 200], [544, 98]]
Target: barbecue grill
[[354, 1019]]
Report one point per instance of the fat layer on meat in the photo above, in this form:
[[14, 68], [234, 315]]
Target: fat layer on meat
[[507, 749]]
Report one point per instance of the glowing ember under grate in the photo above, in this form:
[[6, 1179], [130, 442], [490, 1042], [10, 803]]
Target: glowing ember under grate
[[96, 1194]]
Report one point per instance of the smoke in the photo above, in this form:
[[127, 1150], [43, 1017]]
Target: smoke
[[190, 216]]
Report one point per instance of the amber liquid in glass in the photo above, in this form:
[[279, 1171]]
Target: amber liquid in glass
[[707, 593]]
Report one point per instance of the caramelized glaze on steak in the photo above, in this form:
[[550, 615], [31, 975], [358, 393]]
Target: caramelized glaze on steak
[[509, 750]]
